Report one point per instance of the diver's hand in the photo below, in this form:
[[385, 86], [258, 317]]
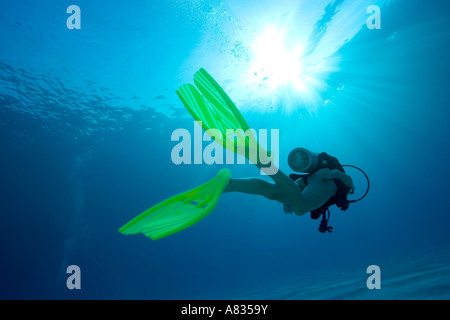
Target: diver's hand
[[348, 182], [287, 208], [346, 179]]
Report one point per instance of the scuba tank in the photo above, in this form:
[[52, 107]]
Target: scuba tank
[[303, 160]]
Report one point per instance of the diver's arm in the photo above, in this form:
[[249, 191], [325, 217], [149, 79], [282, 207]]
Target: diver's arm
[[345, 178], [336, 174]]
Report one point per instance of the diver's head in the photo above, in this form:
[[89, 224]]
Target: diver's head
[[303, 160]]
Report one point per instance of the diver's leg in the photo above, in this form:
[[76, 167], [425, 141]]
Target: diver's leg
[[284, 190], [256, 186], [289, 189], [315, 195]]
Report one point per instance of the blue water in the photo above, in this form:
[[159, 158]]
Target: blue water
[[86, 120]]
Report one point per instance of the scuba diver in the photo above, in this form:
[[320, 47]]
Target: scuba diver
[[321, 182]]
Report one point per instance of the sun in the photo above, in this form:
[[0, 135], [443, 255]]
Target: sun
[[275, 62]]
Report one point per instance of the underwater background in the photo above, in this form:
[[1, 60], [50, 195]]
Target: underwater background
[[86, 118]]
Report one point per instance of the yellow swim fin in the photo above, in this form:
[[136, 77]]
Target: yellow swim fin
[[180, 211], [208, 102]]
